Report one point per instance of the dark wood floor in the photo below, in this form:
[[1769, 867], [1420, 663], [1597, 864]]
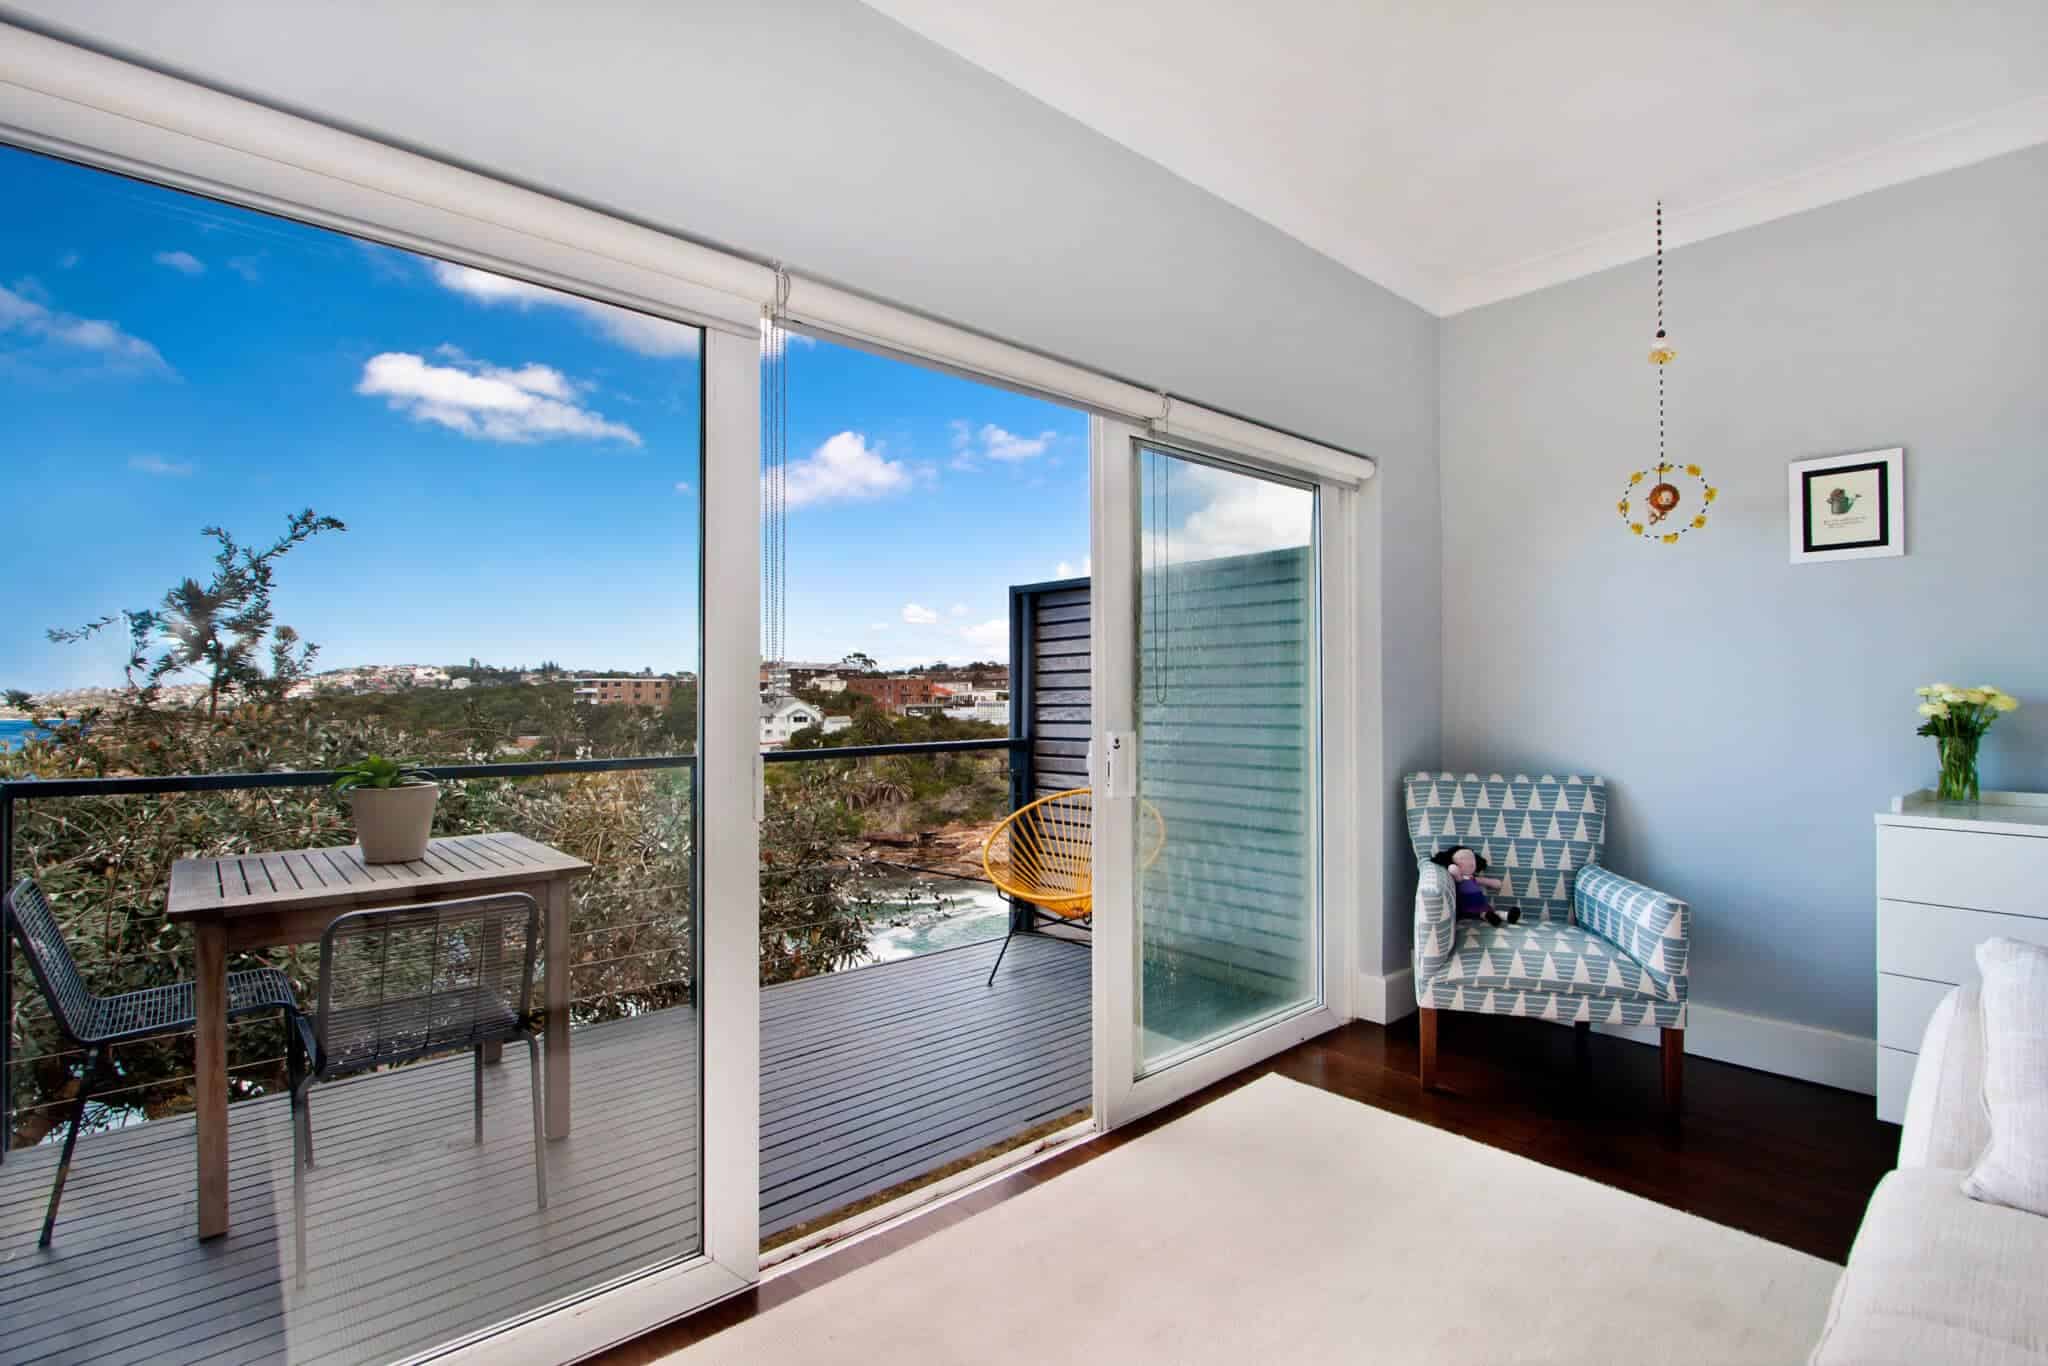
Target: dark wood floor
[[1786, 1160]]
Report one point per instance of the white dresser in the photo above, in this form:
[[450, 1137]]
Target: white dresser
[[1949, 876]]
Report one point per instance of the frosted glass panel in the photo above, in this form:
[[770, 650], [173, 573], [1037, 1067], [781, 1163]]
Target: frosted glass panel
[[1228, 896]]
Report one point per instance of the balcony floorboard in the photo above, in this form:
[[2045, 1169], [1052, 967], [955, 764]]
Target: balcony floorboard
[[870, 1078]]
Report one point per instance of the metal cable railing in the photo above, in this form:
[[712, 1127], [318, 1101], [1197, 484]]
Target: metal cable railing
[[48, 789]]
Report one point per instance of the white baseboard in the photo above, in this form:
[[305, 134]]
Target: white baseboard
[[1384, 1000], [1845, 1061]]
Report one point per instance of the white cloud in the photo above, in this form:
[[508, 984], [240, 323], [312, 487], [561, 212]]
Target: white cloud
[[991, 638], [67, 260], [990, 442], [998, 444], [184, 262], [246, 267], [1065, 570], [918, 615], [878, 627], [682, 486], [486, 287], [639, 332], [534, 378], [959, 609], [486, 402], [157, 465], [846, 466], [1235, 515], [30, 317]]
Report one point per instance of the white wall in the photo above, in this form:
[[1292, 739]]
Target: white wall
[[823, 135], [1750, 713]]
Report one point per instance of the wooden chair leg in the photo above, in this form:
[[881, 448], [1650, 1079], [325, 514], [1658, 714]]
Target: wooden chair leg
[[1674, 1068], [1427, 1015]]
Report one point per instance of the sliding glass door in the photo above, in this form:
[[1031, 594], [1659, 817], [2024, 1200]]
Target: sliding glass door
[[1209, 774], [342, 499]]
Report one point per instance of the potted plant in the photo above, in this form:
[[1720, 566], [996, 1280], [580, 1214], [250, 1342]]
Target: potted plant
[[392, 801]]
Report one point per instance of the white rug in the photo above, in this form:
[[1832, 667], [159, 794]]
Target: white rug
[[1285, 1224]]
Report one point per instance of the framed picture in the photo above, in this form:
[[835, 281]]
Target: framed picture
[[1849, 507]]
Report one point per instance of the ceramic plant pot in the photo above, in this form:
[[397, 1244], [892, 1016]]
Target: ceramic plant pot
[[393, 823]]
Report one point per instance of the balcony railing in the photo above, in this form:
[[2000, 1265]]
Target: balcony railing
[[41, 790]]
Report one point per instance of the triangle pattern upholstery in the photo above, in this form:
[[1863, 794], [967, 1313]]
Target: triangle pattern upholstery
[[1592, 945], [1534, 833]]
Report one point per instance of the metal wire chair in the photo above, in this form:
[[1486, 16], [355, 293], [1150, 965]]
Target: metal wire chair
[[97, 1023], [411, 982], [1043, 856]]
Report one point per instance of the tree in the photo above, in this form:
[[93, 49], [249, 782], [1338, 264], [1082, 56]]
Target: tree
[[19, 699], [221, 627], [859, 661]]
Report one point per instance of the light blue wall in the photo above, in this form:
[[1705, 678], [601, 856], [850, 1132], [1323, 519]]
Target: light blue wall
[[821, 134], [1751, 713]]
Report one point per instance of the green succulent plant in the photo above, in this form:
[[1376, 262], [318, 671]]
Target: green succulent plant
[[378, 771]]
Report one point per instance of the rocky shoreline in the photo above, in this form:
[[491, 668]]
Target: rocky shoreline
[[949, 851]]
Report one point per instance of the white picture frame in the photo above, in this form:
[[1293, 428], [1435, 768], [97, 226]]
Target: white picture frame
[[1848, 507]]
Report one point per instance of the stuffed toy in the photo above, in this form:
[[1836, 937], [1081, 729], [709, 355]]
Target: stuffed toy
[[1469, 871]]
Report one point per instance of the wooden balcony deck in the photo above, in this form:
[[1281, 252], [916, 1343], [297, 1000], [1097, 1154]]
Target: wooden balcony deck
[[870, 1078]]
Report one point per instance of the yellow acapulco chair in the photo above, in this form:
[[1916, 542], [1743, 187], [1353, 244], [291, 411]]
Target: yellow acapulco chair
[[1042, 855]]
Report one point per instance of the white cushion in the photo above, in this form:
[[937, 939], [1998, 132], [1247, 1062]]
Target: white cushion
[[1945, 1125], [1938, 1278], [2014, 1168]]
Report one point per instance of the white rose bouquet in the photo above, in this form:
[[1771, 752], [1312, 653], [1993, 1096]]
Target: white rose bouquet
[[1957, 719]]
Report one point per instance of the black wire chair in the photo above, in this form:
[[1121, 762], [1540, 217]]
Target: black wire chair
[[410, 982], [97, 1023]]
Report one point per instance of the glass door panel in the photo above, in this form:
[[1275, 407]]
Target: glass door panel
[[1228, 801]]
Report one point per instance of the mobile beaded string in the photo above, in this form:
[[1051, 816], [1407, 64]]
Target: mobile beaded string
[[1664, 497]]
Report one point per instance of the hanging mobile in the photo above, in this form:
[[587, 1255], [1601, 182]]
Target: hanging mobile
[[1663, 497]]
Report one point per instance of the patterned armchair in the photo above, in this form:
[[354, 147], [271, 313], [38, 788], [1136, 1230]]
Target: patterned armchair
[[1591, 948]]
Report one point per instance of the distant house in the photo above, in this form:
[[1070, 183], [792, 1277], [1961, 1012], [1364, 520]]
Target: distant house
[[782, 717], [825, 683]]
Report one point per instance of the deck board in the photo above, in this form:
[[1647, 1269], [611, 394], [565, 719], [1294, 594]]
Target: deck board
[[869, 1078]]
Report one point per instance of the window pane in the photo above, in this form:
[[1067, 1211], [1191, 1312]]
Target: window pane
[[287, 500], [894, 1048], [1228, 805]]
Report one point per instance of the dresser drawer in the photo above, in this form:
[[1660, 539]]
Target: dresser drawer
[[1894, 1080], [1904, 1005], [1940, 942], [2007, 873]]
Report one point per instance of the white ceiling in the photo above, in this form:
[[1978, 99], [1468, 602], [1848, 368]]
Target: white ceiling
[[1459, 152]]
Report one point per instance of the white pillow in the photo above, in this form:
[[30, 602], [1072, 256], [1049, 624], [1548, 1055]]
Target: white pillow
[[2014, 1168]]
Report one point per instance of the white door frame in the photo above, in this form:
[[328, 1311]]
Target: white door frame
[[1121, 1095]]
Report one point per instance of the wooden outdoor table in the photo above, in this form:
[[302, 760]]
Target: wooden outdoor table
[[260, 901]]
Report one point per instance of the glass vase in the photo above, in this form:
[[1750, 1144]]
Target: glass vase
[[1958, 768]]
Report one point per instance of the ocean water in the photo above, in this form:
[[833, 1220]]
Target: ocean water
[[925, 915], [14, 732]]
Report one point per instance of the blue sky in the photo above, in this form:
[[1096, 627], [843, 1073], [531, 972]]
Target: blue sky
[[518, 469]]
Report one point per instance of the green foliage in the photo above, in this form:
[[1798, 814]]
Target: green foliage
[[378, 771], [220, 628], [19, 700]]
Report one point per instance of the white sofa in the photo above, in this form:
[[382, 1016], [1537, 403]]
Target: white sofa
[[1934, 1276]]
